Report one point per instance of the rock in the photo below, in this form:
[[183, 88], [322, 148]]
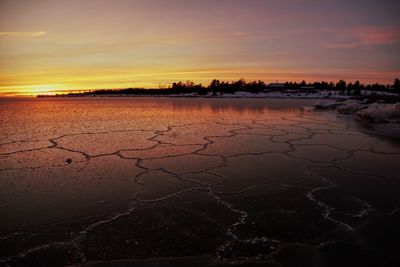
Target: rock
[[69, 161]]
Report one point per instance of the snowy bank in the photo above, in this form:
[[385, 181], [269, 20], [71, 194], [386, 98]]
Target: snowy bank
[[350, 107], [381, 118], [326, 105], [380, 113]]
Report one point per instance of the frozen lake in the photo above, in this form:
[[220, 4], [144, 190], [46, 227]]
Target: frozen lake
[[199, 182]]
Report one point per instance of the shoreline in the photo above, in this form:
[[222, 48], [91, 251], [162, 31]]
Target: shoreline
[[321, 94], [203, 96]]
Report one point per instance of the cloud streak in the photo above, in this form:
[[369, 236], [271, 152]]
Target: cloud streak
[[364, 37], [23, 34], [341, 45], [377, 36]]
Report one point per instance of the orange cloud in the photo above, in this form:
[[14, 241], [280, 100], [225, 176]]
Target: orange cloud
[[23, 34]]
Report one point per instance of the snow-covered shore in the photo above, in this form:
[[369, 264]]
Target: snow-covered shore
[[383, 118], [322, 94], [380, 113]]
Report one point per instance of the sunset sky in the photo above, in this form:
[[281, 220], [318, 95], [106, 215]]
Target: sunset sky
[[56, 45]]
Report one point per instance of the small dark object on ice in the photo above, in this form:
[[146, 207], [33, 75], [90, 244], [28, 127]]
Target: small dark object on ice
[[69, 161]]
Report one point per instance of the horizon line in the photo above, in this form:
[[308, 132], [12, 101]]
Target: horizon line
[[169, 86]]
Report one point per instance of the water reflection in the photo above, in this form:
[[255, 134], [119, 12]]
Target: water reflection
[[250, 105], [217, 105]]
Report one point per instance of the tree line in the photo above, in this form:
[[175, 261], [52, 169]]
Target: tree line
[[220, 87]]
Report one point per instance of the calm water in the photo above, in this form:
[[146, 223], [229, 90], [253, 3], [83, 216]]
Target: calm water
[[200, 182]]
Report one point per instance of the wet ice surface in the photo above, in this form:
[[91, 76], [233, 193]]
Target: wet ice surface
[[200, 182]]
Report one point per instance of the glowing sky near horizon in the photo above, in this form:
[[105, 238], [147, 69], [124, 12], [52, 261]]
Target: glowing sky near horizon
[[57, 45]]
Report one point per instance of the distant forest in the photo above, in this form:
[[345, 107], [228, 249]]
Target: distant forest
[[221, 87]]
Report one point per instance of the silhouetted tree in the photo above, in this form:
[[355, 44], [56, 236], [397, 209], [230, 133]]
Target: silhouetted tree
[[214, 86], [396, 85], [239, 85], [341, 85], [357, 88], [255, 87]]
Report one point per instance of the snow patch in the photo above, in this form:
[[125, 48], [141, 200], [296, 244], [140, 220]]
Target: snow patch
[[350, 107], [380, 113]]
